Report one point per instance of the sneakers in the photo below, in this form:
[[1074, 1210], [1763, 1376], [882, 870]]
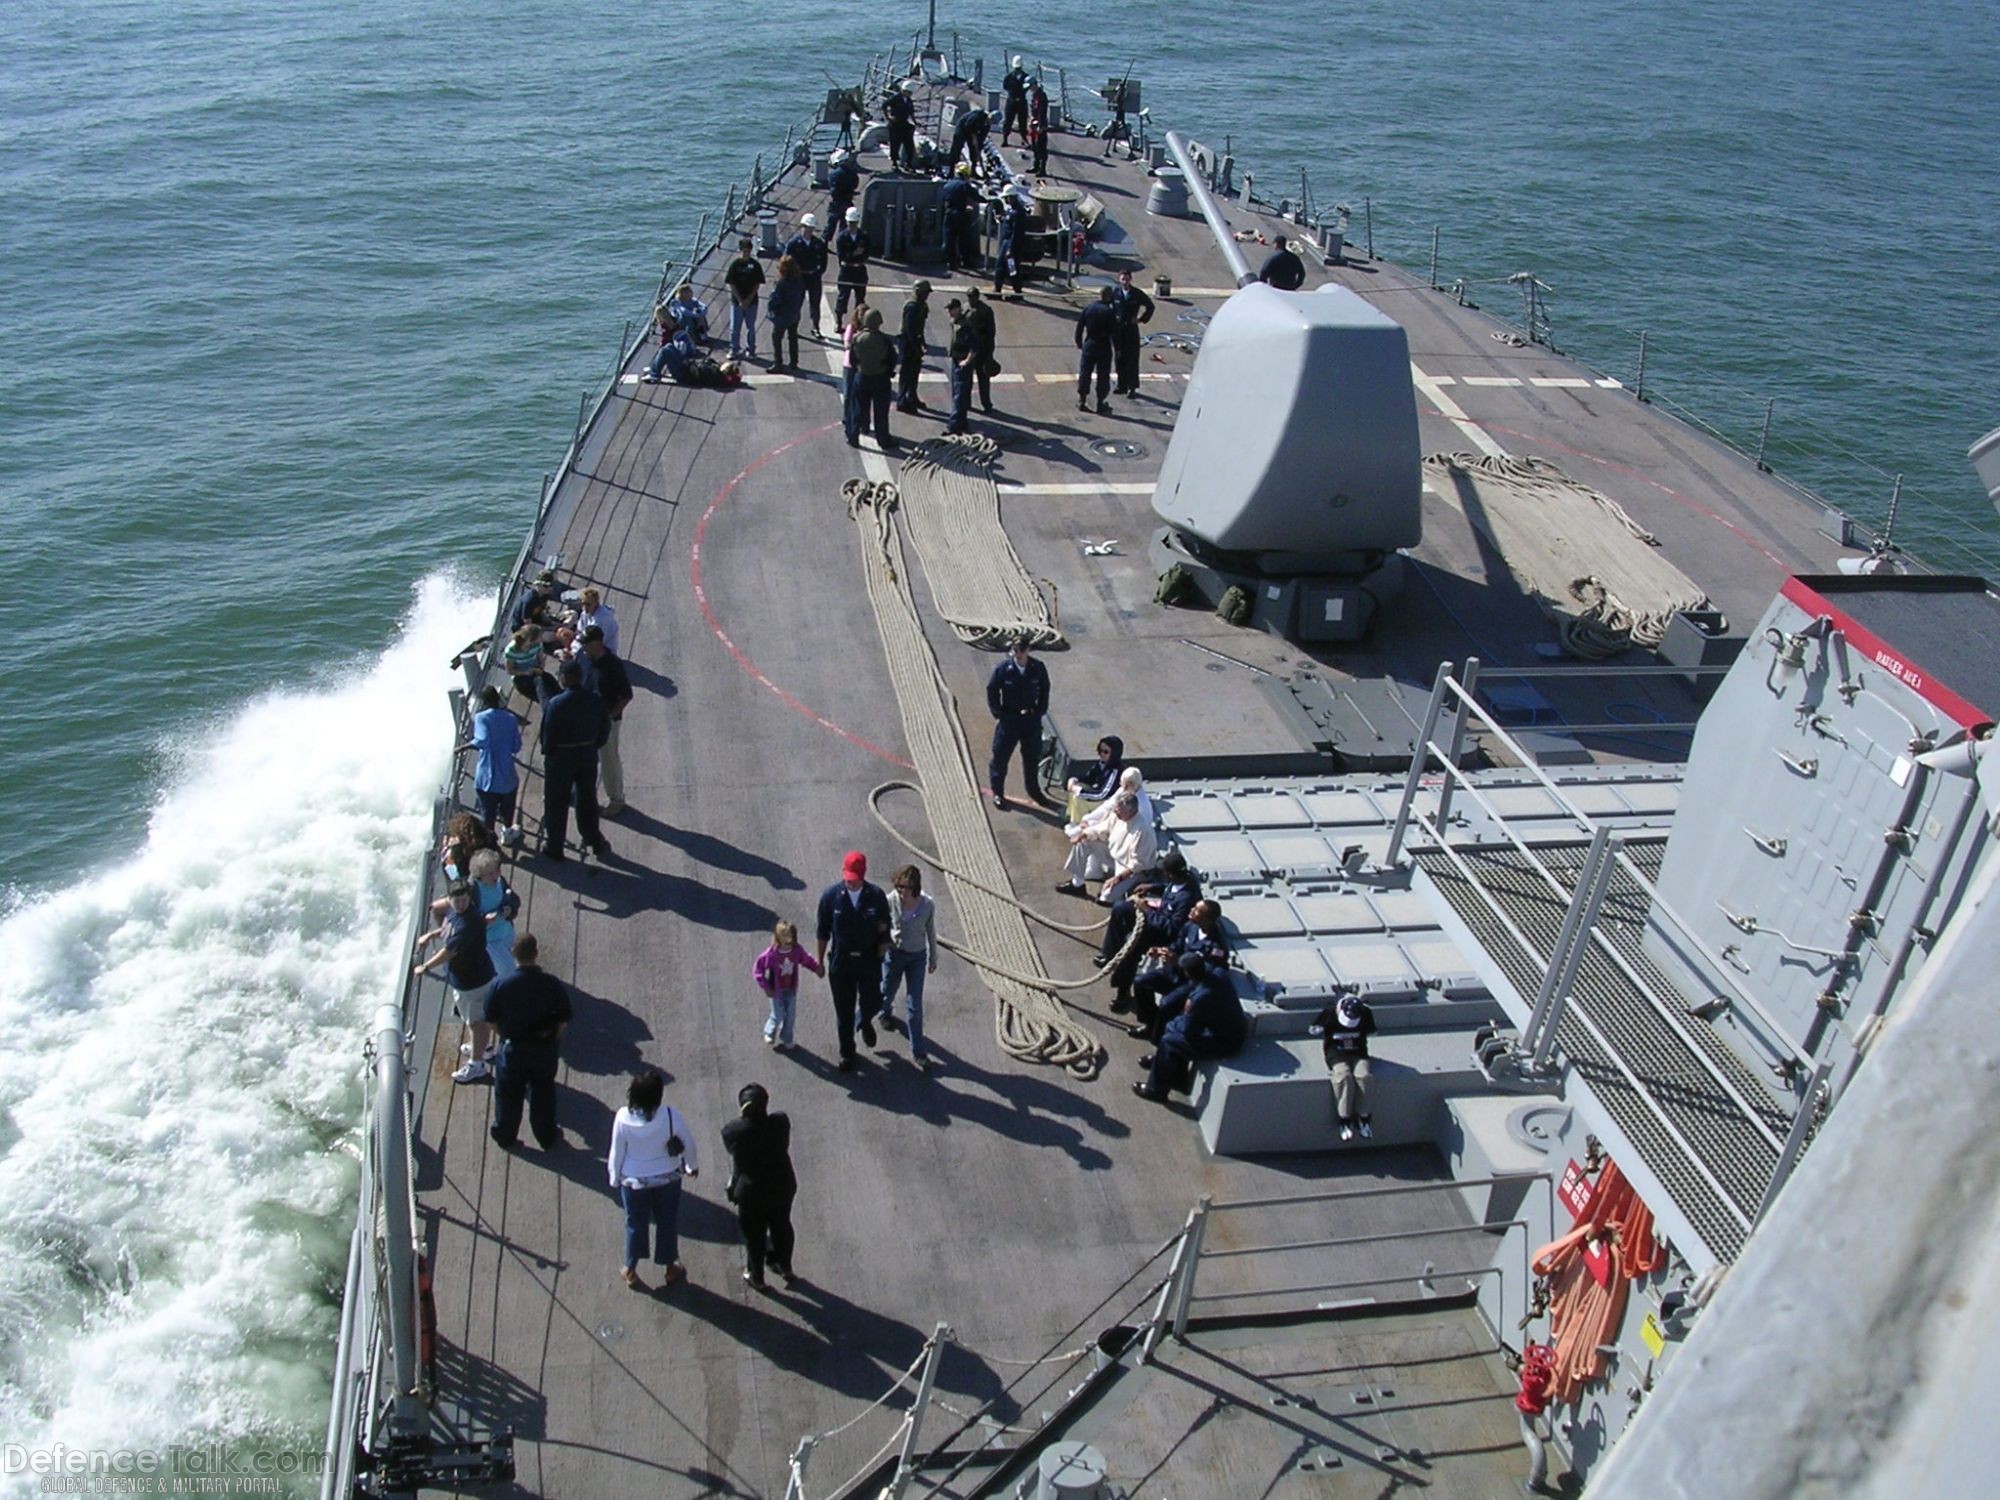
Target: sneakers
[[771, 1042], [475, 1071], [1367, 1131], [1346, 1131]]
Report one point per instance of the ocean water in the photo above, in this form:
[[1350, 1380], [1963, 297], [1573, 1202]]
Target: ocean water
[[296, 305]]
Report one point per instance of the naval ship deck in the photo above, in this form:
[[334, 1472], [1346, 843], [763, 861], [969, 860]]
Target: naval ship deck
[[1004, 1199]]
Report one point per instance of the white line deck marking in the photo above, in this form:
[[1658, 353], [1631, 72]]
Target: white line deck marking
[[1477, 434], [1561, 382], [1491, 380], [1101, 487]]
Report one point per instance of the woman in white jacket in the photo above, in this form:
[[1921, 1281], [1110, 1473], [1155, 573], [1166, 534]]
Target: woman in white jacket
[[1090, 841], [652, 1149]]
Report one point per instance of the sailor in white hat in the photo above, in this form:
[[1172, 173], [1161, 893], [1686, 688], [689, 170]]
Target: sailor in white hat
[[808, 252], [1015, 85]]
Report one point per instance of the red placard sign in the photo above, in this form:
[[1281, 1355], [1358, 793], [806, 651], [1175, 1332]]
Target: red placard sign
[[1576, 1189]]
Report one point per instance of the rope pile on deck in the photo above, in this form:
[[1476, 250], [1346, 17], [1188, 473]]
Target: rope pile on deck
[[1597, 574], [1029, 1021], [979, 585]]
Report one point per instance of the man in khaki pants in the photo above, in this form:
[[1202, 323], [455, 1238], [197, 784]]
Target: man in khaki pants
[[1344, 1028]]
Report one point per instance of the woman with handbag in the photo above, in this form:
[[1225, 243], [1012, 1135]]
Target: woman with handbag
[[652, 1149]]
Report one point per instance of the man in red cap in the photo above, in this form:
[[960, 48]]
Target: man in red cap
[[853, 941]]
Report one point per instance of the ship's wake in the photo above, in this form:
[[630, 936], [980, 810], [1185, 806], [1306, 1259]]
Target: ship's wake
[[179, 1079]]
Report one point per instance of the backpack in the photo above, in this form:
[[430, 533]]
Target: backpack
[[1176, 586], [1233, 608]]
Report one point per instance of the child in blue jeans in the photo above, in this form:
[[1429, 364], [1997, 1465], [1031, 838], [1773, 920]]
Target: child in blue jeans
[[777, 974]]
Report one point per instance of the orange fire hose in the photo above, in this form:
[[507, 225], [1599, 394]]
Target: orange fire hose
[[1582, 1314]]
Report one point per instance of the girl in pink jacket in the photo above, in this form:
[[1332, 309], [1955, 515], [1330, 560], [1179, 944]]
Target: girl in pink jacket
[[777, 974]]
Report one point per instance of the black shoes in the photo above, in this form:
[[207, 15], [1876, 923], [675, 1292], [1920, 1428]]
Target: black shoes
[[1103, 408], [868, 1033], [1069, 888], [1145, 1093], [845, 1065]]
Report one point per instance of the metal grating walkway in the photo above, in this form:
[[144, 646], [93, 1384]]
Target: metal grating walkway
[[1641, 1056]]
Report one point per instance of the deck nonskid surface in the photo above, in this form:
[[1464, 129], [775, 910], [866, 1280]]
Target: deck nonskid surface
[[999, 1197]]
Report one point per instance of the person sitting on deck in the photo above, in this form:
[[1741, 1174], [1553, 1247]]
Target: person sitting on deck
[[1160, 993], [1096, 782], [673, 358], [1115, 842], [1157, 903], [592, 610], [689, 313], [538, 604], [1283, 270], [1211, 1024], [1344, 1028], [527, 652]]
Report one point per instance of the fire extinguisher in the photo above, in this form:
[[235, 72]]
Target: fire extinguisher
[[1076, 244]]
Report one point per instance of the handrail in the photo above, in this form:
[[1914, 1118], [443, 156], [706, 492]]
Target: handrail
[[1687, 1147], [1588, 825]]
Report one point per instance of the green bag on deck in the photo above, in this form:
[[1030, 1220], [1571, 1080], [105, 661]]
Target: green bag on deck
[[1176, 586]]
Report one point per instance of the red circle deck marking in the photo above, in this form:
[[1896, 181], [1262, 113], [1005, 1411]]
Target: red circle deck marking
[[715, 625]]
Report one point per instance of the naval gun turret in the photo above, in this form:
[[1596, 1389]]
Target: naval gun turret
[[1294, 471]]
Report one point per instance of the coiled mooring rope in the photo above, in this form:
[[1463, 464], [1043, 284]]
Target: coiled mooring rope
[[1029, 1021], [979, 585]]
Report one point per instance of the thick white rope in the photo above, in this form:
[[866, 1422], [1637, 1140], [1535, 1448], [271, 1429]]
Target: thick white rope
[[1029, 1021], [979, 585], [1597, 573]]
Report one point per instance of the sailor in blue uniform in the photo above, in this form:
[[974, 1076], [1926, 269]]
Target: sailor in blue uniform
[[1211, 1024], [853, 940], [968, 136], [1015, 85], [1007, 246], [575, 725], [808, 252], [1097, 337], [1283, 269], [1134, 309], [843, 181], [850, 248], [900, 110], [1018, 696], [958, 202]]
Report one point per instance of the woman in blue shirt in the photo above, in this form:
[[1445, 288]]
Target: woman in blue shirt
[[496, 735]]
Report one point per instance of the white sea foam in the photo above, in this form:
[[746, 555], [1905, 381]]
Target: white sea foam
[[179, 1060]]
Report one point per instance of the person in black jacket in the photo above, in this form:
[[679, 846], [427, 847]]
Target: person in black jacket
[[1160, 901], [575, 725], [530, 1009], [1038, 127], [853, 941], [1134, 308], [963, 353], [1017, 695], [958, 219], [1096, 336], [1283, 270], [850, 248], [808, 252], [979, 318], [1015, 86], [900, 110], [762, 1183], [604, 674], [1162, 991], [910, 357], [1212, 1024], [1343, 1029], [843, 181]]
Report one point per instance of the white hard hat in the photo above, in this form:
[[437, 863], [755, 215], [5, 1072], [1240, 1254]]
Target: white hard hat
[[838, 157], [1017, 59], [854, 216], [808, 221]]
